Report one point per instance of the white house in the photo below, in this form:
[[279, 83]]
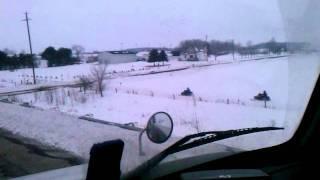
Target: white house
[[194, 55], [143, 55], [41, 63], [262, 51]]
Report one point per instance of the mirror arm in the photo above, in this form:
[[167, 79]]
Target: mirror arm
[[141, 153]]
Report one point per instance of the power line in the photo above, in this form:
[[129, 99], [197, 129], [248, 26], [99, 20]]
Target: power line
[[30, 46]]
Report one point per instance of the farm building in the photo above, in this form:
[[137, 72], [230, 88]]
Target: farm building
[[194, 55], [116, 57], [39, 62], [89, 57]]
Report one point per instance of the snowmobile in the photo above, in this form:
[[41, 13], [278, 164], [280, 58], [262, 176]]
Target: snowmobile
[[262, 96], [187, 92]]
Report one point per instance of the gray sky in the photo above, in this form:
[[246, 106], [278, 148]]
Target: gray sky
[[106, 24]]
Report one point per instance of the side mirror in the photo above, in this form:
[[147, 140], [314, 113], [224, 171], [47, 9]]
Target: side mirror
[[159, 128]]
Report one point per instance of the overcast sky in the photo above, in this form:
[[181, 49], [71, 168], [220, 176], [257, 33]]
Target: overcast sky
[[112, 24]]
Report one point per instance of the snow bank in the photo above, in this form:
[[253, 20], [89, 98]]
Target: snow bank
[[72, 134]]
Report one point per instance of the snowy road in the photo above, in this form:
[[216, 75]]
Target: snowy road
[[35, 88]]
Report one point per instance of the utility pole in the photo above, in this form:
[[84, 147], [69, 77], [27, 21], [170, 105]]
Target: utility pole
[[30, 46], [121, 46], [233, 48], [207, 47]]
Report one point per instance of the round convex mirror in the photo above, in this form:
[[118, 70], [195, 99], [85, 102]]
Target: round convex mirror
[[159, 127]]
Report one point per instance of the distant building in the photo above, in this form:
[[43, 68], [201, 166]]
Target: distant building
[[202, 55], [40, 63], [262, 51], [194, 55], [116, 57], [89, 57], [144, 55]]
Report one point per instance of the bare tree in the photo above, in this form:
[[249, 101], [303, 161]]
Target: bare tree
[[99, 73], [249, 48], [84, 83], [215, 48], [193, 44], [9, 51], [77, 49]]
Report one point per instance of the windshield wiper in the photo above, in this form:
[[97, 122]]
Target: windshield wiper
[[192, 141], [202, 138]]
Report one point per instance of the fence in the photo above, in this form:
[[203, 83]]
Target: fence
[[174, 96]]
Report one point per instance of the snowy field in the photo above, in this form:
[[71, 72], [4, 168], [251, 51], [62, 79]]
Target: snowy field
[[223, 97], [223, 101], [11, 80]]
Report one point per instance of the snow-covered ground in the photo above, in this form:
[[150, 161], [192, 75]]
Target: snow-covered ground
[[21, 77], [69, 133], [77, 136], [234, 81], [223, 97], [72, 134], [223, 101]]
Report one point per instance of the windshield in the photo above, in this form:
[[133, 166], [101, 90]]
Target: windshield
[[75, 73]]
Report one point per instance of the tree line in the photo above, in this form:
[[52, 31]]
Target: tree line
[[15, 61], [55, 57], [218, 48], [59, 57]]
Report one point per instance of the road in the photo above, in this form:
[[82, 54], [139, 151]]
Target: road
[[21, 156], [36, 88]]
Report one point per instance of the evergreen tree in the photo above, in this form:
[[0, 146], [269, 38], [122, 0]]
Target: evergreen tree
[[163, 56], [153, 56], [60, 57], [50, 54], [3, 60], [25, 60], [15, 61], [64, 56]]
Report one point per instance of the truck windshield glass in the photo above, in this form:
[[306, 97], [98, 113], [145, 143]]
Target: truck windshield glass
[[75, 73]]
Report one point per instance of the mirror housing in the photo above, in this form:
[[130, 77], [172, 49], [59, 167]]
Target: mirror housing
[[159, 127]]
